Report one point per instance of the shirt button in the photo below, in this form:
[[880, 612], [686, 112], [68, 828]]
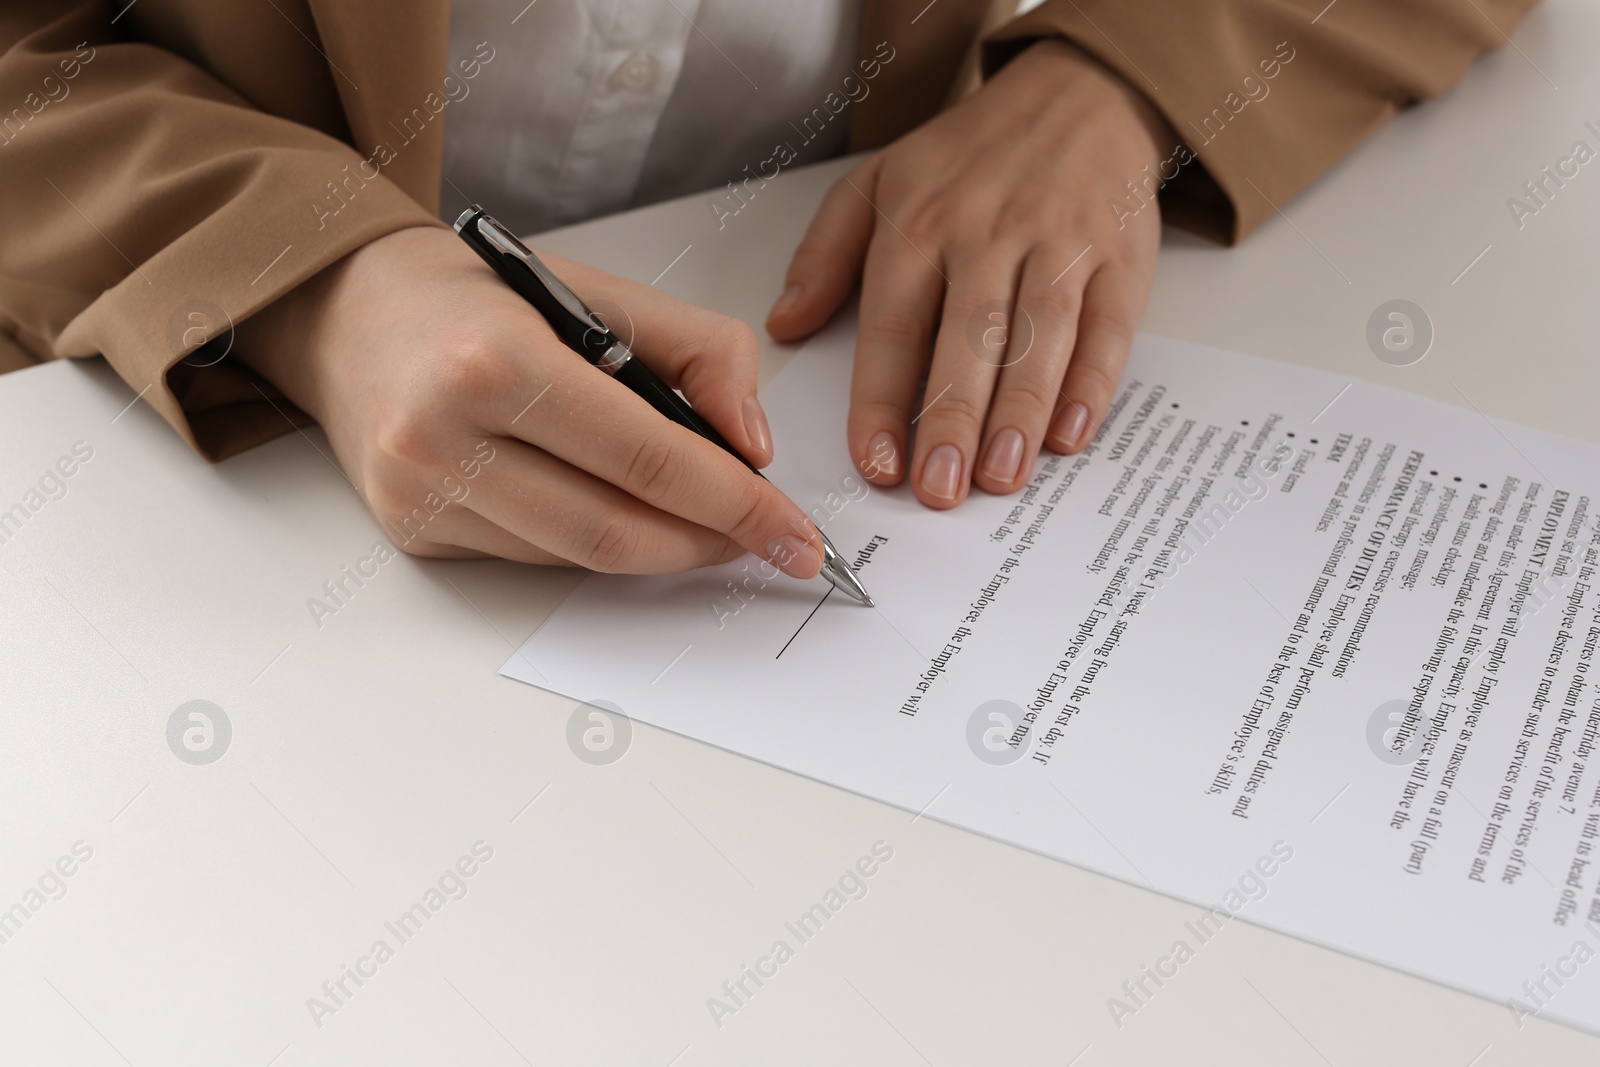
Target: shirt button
[[636, 72]]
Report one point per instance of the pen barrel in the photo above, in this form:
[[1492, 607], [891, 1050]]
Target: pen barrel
[[576, 325], [661, 396], [585, 335]]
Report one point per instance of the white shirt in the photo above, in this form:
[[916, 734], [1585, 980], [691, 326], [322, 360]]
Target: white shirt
[[592, 106]]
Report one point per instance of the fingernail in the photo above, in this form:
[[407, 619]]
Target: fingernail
[[795, 557], [755, 425], [1005, 456], [883, 455], [1072, 423], [786, 302], [942, 473]]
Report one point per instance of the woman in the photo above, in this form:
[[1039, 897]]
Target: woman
[[239, 206]]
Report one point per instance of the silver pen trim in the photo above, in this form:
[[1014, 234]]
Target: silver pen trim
[[840, 574], [503, 239], [614, 359]]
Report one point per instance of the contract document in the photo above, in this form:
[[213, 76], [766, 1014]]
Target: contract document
[[1298, 649]]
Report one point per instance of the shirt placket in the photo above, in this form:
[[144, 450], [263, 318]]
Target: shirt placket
[[632, 64]]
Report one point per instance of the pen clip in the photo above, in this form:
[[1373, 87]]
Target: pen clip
[[504, 240]]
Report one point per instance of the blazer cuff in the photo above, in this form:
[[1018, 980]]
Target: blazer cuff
[[157, 209], [167, 327], [1265, 98]]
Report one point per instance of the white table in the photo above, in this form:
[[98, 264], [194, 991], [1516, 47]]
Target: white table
[[367, 755]]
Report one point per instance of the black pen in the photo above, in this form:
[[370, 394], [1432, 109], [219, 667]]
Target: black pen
[[581, 330]]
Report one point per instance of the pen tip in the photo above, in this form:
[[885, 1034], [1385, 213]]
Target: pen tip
[[867, 600]]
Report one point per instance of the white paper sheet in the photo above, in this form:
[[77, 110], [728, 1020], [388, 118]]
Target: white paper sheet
[[1188, 705]]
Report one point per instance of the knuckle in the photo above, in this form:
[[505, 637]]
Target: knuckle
[[893, 326], [726, 550], [387, 502], [476, 369], [1094, 380], [614, 544], [727, 343], [1113, 324], [653, 469], [924, 227], [1058, 302], [1024, 402], [408, 523], [934, 217], [419, 548], [958, 412], [734, 338], [1017, 215], [408, 434]]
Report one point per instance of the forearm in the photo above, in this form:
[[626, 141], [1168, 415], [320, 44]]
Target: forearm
[[148, 207]]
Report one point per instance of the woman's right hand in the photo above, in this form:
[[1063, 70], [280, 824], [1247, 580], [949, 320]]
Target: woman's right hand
[[470, 429]]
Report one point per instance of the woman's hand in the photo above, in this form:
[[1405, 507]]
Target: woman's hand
[[470, 429], [995, 222]]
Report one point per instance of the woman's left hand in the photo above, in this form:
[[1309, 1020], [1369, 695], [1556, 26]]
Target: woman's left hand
[[994, 258]]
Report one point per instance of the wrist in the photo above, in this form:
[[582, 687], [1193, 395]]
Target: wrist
[[291, 341], [1063, 66]]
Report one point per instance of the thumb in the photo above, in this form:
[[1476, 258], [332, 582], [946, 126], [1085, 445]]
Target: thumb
[[826, 265], [716, 371], [711, 358]]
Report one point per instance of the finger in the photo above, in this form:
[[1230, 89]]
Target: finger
[[597, 425], [900, 297], [828, 260], [574, 516], [460, 533], [962, 378], [1040, 337], [712, 358], [1112, 303]]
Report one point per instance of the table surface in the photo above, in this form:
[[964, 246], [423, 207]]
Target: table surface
[[371, 749]]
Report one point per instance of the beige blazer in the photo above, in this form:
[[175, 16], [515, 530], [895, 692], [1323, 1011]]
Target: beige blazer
[[162, 162]]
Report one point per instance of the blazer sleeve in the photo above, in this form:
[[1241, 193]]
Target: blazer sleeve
[[1267, 93], [148, 208]]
